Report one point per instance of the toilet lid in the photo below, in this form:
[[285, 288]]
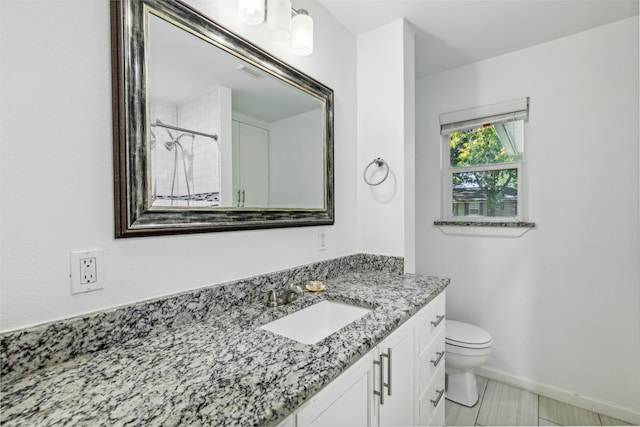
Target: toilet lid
[[466, 335]]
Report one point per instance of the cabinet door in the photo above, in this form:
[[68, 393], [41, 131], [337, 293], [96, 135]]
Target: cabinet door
[[398, 366], [346, 401]]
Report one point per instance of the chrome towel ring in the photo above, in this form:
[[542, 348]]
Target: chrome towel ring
[[379, 162]]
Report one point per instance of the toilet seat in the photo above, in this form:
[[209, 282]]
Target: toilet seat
[[464, 335]]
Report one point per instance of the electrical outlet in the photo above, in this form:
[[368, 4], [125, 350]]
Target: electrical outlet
[[322, 240], [86, 271]]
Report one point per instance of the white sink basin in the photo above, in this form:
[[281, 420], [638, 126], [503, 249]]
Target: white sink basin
[[316, 322]]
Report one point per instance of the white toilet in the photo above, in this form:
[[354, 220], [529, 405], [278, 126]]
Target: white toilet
[[467, 347]]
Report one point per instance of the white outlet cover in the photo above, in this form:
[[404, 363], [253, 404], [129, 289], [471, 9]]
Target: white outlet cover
[[322, 240], [77, 287]]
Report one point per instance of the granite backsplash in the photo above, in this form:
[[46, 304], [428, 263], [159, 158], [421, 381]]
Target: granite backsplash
[[27, 350]]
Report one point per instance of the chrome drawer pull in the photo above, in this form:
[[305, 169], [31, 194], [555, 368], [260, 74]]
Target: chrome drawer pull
[[437, 399], [437, 322], [388, 356], [381, 392], [438, 359]]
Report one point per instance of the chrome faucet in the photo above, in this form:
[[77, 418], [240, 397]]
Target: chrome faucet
[[292, 293]]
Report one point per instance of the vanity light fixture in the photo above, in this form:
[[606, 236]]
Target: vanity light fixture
[[283, 22]]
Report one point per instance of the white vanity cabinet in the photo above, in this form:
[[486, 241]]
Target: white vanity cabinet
[[400, 382]]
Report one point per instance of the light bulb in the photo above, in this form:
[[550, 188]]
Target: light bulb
[[302, 33], [279, 19]]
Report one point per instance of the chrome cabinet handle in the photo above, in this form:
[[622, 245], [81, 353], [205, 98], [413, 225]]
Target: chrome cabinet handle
[[437, 399], [437, 322], [238, 198], [243, 198], [381, 392], [388, 356], [438, 359]]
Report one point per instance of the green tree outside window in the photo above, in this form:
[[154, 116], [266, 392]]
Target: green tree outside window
[[482, 146]]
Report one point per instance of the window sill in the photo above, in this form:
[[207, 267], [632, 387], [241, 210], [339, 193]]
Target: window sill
[[488, 229]]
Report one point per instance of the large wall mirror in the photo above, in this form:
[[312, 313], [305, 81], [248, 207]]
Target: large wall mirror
[[211, 133]]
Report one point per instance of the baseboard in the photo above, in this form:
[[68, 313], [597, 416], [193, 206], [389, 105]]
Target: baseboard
[[607, 408]]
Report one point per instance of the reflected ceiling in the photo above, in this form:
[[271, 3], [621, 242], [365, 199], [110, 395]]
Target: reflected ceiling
[[175, 53]]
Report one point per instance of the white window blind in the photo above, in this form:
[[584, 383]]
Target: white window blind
[[476, 117]]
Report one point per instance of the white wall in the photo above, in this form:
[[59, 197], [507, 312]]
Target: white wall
[[409, 148], [295, 170], [563, 301], [57, 169], [385, 129]]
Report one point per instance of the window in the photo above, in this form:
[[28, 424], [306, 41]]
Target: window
[[474, 208], [483, 151]]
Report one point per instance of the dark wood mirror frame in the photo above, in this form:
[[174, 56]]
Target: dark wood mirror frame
[[133, 217]]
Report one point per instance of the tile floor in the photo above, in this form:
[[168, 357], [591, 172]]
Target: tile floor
[[504, 405]]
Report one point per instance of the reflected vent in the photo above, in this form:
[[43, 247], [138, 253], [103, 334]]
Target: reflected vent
[[250, 71]]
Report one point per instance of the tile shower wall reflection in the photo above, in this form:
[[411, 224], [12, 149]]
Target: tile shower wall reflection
[[186, 173]]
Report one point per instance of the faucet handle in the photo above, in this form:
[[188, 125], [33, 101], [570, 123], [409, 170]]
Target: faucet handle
[[273, 299]]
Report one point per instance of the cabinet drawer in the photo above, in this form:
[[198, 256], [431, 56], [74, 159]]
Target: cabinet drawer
[[431, 320], [431, 359], [438, 418], [433, 398]]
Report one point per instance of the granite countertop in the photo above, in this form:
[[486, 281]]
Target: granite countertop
[[218, 371]]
